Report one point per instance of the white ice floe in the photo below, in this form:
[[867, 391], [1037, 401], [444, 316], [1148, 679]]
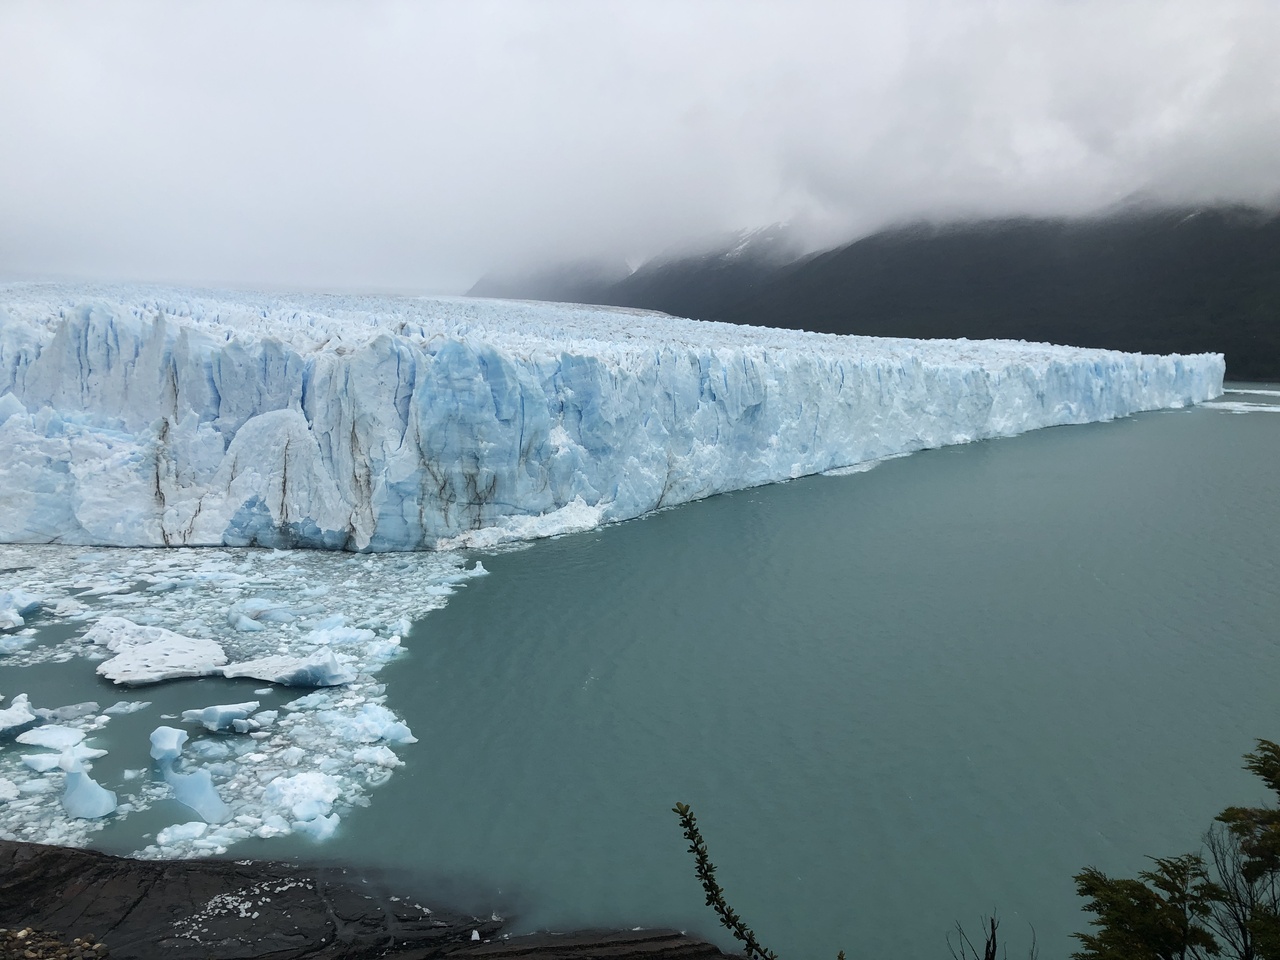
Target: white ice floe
[[140, 416], [196, 790], [51, 736], [221, 717], [353, 607], [166, 744], [17, 715], [84, 798], [124, 707], [15, 605], [1243, 406], [318, 669], [146, 654]]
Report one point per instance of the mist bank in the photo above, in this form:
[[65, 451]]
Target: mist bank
[[1174, 280]]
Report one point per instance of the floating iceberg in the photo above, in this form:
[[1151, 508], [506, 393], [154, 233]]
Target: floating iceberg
[[15, 606], [166, 744], [17, 716], [84, 798], [337, 730], [221, 717], [153, 417], [319, 669], [150, 654], [52, 737], [196, 790]]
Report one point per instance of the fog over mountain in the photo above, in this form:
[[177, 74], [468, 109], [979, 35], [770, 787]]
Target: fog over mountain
[[418, 147], [1146, 279]]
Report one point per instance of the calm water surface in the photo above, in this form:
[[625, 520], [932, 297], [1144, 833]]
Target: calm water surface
[[895, 700]]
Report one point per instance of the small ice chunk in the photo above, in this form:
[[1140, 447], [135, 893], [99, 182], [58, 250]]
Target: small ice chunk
[[85, 798], [317, 828], [12, 644], [220, 717], [180, 832], [36, 786], [339, 636], [259, 608], [196, 790], [166, 743], [15, 605], [373, 722], [274, 826], [209, 749], [320, 669], [126, 706], [78, 754], [72, 712], [379, 755], [25, 603], [304, 795], [41, 762], [17, 715], [292, 756], [8, 790], [52, 737]]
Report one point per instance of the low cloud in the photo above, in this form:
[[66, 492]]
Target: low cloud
[[415, 146]]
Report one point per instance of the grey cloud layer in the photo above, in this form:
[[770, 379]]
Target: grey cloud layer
[[415, 146]]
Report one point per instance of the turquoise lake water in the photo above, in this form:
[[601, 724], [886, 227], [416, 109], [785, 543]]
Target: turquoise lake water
[[895, 699]]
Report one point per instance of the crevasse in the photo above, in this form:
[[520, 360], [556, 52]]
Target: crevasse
[[142, 416]]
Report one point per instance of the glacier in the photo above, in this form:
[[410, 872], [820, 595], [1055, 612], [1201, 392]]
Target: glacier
[[391, 433], [163, 417]]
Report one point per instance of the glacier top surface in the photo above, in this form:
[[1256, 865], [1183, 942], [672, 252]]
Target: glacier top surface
[[340, 323]]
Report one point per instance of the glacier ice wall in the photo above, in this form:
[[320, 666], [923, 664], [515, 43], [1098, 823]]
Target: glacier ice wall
[[135, 416]]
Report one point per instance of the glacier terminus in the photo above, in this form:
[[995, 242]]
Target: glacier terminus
[[163, 417]]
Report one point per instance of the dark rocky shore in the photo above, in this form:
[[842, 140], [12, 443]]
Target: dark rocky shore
[[60, 902]]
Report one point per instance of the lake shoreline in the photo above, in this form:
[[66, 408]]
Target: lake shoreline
[[247, 909]]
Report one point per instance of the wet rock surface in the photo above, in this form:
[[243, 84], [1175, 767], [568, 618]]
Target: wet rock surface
[[227, 910], [29, 944]]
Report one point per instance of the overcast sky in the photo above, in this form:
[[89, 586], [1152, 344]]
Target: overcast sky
[[413, 146]]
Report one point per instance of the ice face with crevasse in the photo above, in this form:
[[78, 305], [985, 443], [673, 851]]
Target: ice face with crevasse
[[136, 417], [149, 417]]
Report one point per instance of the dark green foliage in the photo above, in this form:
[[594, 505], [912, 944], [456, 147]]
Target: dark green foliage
[[1186, 908], [1163, 915], [706, 871], [1258, 828]]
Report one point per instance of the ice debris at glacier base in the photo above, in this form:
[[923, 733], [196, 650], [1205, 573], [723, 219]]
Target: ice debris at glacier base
[[291, 768], [144, 416]]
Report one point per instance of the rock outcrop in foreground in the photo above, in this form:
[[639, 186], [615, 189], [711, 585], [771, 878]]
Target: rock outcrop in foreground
[[243, 910]]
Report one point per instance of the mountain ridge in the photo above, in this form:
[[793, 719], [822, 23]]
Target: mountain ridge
[[1150, 280]]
